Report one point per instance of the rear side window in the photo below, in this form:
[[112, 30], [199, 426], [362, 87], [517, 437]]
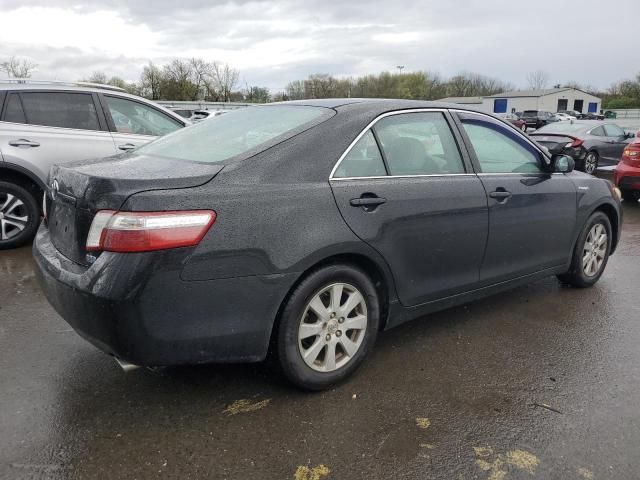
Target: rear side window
[[363, 160], [135, 117], [13, 112], [418, 144], [598, 132], [241, 132], [60, 109]]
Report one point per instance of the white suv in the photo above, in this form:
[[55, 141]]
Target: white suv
[[43, 123]]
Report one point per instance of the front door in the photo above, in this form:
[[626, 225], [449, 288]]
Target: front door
[[403, 188], [134, 123], [532, 212], [563, 105], [616, 141]]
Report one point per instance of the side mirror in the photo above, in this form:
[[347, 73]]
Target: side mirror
[[563, 163]]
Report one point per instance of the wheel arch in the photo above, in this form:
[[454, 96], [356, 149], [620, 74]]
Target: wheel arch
[[23, 177], [372, 268]]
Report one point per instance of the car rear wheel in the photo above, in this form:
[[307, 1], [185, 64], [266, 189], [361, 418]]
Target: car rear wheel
[[19, 215], [591, 252], [630, 196], [591, 163], [328, 326]]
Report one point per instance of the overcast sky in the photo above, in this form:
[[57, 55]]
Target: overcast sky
[[274, 42]]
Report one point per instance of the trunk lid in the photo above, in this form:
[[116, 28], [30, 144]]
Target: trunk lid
[[78, 190], [554, 142]]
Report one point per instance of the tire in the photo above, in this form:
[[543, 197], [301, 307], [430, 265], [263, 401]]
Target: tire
[[580, 274], [326, 333], [590, 162], [630, 196], [19, 215]]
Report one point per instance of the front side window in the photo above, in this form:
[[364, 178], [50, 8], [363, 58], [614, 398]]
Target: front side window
[[60, 109], [418, 143], [140, 119], [363, 160], [240, 132], [499, 150], [13, 112]]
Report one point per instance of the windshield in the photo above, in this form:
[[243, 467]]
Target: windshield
[[562, 127], [241, 131]]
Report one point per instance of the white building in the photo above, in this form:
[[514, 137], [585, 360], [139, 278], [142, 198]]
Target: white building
[[549, 100]]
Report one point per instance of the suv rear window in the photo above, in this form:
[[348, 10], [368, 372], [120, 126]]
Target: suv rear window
[[60, 109], [244, 131]]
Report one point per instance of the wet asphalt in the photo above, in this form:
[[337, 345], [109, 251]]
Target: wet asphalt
[[542, 382]]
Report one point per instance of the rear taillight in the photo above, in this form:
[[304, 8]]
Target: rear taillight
[[146, 231], [575, 144], [631, 154]]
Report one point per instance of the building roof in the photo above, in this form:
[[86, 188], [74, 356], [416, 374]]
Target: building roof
[[462, 100], [534, 93]]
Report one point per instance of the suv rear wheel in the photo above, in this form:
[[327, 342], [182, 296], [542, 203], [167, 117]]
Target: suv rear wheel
[[19, 215]]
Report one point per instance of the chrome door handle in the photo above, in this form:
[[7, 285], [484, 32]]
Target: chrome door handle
[[23, 142], [126, 146], [500, 195]]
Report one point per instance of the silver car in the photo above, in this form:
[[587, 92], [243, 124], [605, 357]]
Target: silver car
[[44, 123]]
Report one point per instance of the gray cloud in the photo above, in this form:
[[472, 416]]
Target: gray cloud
[[499, 38]]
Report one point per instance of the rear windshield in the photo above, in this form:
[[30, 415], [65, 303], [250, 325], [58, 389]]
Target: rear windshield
[[243, 131], [561, 127], [530, 113]]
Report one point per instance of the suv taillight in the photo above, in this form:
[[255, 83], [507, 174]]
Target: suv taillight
[[147, 231]]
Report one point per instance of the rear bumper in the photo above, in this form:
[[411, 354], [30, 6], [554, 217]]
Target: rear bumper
[[627, 177], [136, 308]]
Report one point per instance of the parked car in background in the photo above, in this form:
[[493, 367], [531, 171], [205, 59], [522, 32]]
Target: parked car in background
[[572, 113], [590, 144], [515, 121], [537, 118], [43, 123], [591, 116], [564, 117], [183, 112], [305, 228], [627, 173], [199, 115]]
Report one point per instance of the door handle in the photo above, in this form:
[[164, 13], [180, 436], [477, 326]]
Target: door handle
[[367, 202], [500, 195], [23, 142], [126, 146]]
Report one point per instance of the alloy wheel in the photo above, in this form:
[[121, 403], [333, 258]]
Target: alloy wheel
[[590, 163], [332, 327], [594, 250], [14, 216]]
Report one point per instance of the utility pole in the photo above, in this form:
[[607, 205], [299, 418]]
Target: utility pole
[[400, 68]]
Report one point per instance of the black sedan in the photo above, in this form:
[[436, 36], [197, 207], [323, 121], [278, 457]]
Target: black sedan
[[305, 228], [590, 144]]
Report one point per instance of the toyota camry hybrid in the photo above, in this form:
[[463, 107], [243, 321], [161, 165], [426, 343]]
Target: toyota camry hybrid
[[302, 229]]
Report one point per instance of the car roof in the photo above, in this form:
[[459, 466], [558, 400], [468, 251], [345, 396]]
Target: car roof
[[382, 104]]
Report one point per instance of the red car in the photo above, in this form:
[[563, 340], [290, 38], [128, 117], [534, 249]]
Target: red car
[[627, 172], [515, 120]]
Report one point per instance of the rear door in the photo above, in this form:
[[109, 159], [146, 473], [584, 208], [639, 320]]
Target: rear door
[[405, 189], [532, 213], [40, 128], [133, 123]]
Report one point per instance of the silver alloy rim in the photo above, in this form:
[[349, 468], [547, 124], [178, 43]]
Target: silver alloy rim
[[13, 216], [594, 251], [332, 327], [590, 163]]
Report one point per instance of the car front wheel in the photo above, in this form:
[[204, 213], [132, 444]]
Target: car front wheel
[[328, 326], [591, 252], [19, 215]]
